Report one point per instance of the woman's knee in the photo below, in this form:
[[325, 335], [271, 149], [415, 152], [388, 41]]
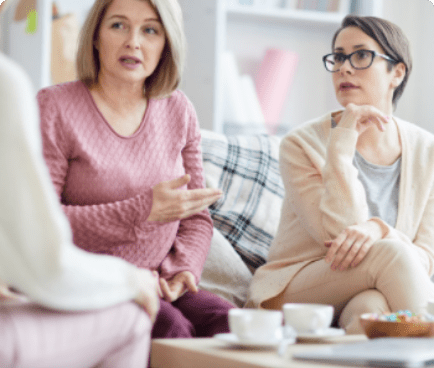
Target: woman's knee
[[171, 323], [393, 253]]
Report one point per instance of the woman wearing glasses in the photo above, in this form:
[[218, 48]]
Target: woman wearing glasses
[[356, 226]]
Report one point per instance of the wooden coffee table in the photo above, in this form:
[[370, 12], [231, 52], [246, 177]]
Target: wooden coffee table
[[211, 353]]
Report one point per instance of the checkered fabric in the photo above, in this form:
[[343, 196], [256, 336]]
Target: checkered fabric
[[246, 169]]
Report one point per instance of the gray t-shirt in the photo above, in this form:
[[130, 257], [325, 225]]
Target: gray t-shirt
[[381, 185]]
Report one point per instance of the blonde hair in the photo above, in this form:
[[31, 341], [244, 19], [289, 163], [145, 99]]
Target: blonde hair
[[166, 76]]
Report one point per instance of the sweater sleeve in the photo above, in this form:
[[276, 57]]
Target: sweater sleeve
[[37, 256], [100, 224], [193, 238], [322, 182]]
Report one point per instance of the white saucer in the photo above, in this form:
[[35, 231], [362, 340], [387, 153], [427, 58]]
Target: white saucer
[[321, 334], [233, 339]]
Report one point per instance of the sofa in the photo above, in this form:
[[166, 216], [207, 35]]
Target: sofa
[[246, 217]]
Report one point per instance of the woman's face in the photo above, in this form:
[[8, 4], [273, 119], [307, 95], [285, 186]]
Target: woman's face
[[372, 86], [130, 41]]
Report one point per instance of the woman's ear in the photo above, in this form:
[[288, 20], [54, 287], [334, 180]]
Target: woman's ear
[[399, 71]]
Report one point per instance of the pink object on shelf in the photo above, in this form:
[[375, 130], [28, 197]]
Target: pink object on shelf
[[272, 83]]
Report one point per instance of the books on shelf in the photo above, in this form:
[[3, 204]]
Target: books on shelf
[[241, 106], [273, 82], [331, 6]]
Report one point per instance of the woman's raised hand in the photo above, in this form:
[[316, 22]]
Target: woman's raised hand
[[149, 293], [350, 247], [171, 203], [362, 117]]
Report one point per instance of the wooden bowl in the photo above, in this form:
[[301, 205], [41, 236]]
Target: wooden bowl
[[375, 328]]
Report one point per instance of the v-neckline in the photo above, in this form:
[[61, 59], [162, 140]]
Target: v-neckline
[[136, 132]]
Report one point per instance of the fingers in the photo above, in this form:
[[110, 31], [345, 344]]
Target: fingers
[[198, 206], [348, 249], [190, 283], [378, 121], [363, 251], [334, 247], [361, 117], [165, 289], [202, 194], [355, 247], [178, 182]]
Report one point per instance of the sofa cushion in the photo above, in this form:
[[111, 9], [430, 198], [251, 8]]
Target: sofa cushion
[[224, 272], [246, 168]]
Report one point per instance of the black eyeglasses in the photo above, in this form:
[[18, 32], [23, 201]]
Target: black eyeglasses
[[360, 59]]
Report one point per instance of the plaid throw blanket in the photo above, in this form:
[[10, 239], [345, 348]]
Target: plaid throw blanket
[[246, 169]]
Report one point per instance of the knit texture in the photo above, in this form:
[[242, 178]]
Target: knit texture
[[105, 180]]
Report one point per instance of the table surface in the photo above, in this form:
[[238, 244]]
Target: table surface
[[212, 353]]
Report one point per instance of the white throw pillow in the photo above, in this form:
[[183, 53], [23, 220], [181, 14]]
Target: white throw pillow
[[225, 274]]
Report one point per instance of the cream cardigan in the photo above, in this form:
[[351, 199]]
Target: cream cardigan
[[323, 196], [37, 256]]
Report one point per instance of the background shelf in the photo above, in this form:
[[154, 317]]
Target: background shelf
[[290, 16]]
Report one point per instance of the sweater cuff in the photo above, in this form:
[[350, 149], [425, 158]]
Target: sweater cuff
[[385, 229]]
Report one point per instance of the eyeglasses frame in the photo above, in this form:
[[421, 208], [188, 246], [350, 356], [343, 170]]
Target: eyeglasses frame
[[348, 57]]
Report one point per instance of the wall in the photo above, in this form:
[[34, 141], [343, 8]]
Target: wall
[[311, 94], [417, 22]]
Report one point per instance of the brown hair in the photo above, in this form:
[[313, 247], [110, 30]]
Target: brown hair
[[391, 39], [167, 75]]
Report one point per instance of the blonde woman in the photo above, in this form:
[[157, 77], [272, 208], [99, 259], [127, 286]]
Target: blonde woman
[[356, 229], [123, 149], [66, 307]]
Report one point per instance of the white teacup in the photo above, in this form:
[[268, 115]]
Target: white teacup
[[307, 318], [256, 324]]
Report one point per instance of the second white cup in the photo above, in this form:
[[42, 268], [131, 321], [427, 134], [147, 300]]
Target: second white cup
[[307, 318]]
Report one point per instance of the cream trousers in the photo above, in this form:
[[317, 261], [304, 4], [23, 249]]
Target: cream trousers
[[390, 278]]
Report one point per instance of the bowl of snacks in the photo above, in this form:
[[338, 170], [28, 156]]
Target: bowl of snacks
[[399, 324]]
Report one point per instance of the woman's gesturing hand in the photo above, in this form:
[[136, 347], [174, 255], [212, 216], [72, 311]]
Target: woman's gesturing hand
[[149, 293], [362, 117], [350, 247], [175, 287], [171, 203]]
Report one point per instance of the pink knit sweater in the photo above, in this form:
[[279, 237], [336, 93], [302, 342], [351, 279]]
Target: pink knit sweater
[[104, 180]]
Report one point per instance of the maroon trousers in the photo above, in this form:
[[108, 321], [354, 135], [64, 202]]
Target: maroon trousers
[[193, 315]]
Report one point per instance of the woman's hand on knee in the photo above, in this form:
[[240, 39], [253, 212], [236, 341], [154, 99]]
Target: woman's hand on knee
[[175, 287], [351, 246], [170, 203]]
